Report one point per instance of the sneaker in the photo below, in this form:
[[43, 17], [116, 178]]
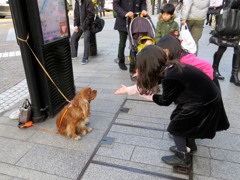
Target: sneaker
[[122, 66], [74, 58], [84, 61]]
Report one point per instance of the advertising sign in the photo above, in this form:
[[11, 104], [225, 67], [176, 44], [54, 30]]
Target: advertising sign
[[53, 18]]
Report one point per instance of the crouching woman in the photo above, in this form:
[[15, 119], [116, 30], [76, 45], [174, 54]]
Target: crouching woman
[[199, 111]]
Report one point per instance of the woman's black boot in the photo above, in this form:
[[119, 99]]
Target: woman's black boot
[[182, 159], [216, 61], [235, 66]]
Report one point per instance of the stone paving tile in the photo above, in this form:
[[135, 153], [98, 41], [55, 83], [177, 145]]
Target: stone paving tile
[[137, 165], [18, 173], [13, 150], [96, 171], [225, 170], [55, 161], [137, 131], [14, 132], [118, 151], [144, 119], [139, 123], [142, 141]]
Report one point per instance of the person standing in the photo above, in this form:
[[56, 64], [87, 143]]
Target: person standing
[[166, 24], [227, 41], [194, 13], [101, 10], [214, 10], [123, 9], [84, 13]]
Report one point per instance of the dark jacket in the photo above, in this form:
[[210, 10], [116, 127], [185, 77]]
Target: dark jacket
[[122, 7], [88, 13], [200, 111]]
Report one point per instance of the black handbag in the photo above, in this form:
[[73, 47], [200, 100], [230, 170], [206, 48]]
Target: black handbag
[[225, 41], [228, 23], [97, 25]]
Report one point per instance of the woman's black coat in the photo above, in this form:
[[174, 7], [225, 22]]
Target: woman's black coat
[[199, 112]]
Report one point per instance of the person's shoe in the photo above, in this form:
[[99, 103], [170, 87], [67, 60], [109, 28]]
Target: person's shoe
[[122, 66], [218, 75], [182, 159], [234, 79], [74, 58], [84, 61]]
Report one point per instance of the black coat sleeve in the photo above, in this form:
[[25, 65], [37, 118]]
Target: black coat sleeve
[[89, 16], [171, 90]]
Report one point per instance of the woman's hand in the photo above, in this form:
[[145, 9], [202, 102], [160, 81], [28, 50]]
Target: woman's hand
[[122, 90]]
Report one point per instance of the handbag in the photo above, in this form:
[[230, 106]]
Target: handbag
[[187, 42], [225, 41], [25, 112], [97, 25], [228, 22]]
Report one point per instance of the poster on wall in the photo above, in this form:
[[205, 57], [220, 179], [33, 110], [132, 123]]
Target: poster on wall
[[53, 18]]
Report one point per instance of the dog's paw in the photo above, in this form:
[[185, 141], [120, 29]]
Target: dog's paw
[[83, 132], [89, 129], [77, 138]]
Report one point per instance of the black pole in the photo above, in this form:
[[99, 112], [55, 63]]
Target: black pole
[[18, 11]]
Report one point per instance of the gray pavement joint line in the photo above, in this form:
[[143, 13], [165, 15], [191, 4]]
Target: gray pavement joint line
[[135, 170], [137, 126], [100, 143], [139, 100]]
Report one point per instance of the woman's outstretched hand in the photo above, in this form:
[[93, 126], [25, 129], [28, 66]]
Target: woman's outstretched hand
[[122, 90]]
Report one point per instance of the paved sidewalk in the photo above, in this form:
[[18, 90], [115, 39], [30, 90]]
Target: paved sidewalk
[[129, 134]]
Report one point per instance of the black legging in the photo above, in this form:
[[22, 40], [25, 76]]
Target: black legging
[[219, 53], [180, 142]]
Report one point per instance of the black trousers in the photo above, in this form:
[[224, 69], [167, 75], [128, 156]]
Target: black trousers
[[122, 44], [74, 43]]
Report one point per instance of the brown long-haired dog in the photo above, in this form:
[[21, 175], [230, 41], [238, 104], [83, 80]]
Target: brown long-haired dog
[[72, 119]]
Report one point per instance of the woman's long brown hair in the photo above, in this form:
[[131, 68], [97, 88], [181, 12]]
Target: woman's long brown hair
[[151, 62]]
